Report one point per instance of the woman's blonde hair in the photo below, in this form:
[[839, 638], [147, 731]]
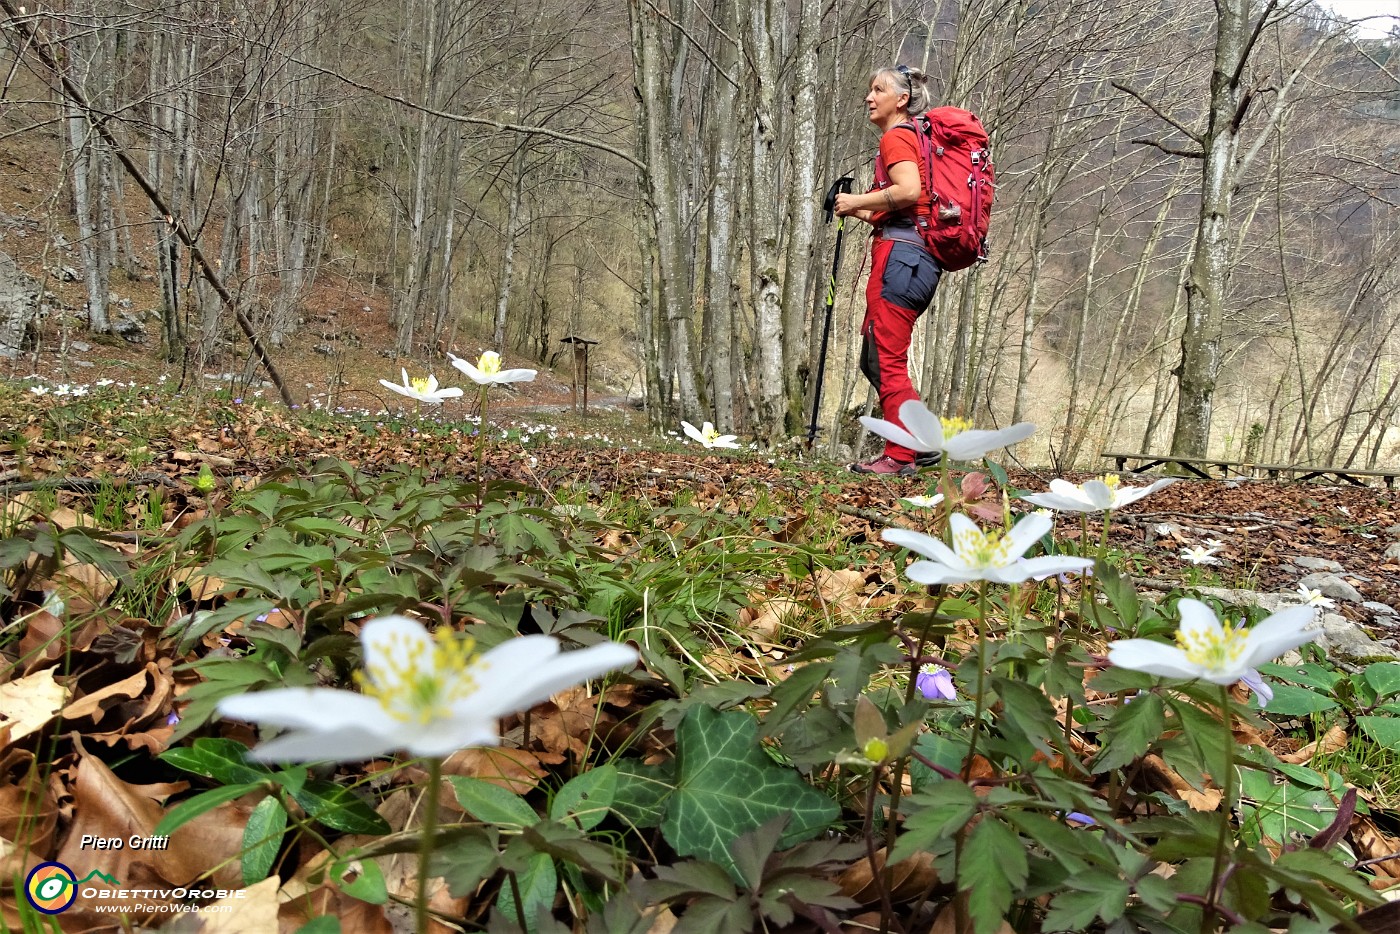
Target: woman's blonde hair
[[911, 81]]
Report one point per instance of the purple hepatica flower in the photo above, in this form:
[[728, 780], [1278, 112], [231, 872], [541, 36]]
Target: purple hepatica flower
[[238, 401], [934, 682], [1255, 682], [1080, 818], [173, 719]]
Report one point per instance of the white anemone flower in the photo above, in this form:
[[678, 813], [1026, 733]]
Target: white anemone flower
[[427, 694], [1098, 495], [953, 437], [422, 390], [1200, 554], [709, 436], [923, 502], [488, 372], [1313, 597], [1207, 650], [982, 556]]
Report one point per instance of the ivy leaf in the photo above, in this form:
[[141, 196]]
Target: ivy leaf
[[642, 791], [726, 786]]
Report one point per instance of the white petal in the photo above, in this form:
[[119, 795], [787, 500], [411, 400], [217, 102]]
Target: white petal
[[347, 744], [305, 708], [450, 392], [1098, 494], [1025, 533], [393, 645], [1049, 565], [515, 376], [974, 445], [1065, 488], [926, 545], [694, 433], [401, 390], [1126, 495], [447, 736], [1154, 658], [466, 367], [1276, 634], [931, 572], [726, 441], [892, 432], [922, 424], [1058, 503], [520, 673]]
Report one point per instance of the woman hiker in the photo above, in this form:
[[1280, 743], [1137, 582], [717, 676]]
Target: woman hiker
[[903, 276]]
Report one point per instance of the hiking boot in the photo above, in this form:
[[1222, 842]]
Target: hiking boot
[[885, 465], [928, 459]]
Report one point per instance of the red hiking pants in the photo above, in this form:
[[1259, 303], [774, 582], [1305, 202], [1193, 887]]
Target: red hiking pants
[[903, 278]]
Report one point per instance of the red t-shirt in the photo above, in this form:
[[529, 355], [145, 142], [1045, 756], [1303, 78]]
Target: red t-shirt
[[899, 145]]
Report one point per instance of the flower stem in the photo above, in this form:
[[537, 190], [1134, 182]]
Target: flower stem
[[880, 876], [980, 700], [480, 464], [1219, 874], [428, 828]]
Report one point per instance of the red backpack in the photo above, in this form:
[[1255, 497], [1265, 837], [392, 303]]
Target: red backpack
[[956, 168]]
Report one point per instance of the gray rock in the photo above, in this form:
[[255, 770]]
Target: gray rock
[[1272, 602], [68, 274], [1380, 609], [324, 349], [87, 363], [1315, 564], [1347, 643], [79, 346], [1393, 550], [128, 327], [1332, 586], [1394, 532], [19, 308]]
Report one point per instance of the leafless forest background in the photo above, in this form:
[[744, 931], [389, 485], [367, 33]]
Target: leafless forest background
[[1194, 243]]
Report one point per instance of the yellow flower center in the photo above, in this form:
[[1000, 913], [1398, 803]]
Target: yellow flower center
[[953, 425], [712, 434], [982, 549], [490, 363], [419, 384], [1213, 650], [420, 687], [1111, 480]]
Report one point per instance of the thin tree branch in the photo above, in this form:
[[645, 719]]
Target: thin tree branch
[[1168, 148], [1162, 115]]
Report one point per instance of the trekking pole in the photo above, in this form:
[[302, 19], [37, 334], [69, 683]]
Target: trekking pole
[[839, 187]]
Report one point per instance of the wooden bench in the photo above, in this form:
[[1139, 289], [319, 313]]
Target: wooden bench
[[1202, 467]]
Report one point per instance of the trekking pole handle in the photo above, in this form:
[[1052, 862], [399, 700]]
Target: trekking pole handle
[[842, 186]]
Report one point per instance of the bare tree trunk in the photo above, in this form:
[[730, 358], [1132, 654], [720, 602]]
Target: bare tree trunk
[[803, 192]]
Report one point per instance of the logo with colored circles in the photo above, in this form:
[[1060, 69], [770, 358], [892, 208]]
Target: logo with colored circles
[[51, 887]]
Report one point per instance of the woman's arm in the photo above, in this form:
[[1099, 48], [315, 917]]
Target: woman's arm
[[902, 192]]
